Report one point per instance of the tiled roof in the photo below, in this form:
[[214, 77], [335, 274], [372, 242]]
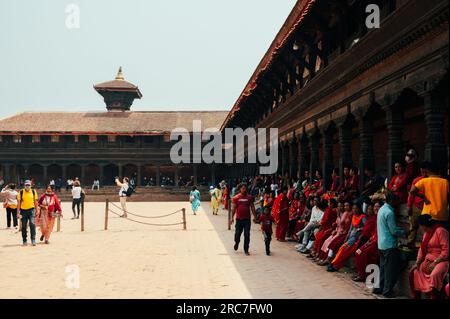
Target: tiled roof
[[295, 18], [108, 122]]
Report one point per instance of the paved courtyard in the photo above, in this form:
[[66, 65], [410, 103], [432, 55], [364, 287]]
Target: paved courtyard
[[132, 260]]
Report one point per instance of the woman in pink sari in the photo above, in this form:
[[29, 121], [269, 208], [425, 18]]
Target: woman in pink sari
[[49, 207], [338, 236], [427, 276]]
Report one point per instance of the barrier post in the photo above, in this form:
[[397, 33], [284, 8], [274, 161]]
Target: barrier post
[[82, 216], [229, 214], [58, 223], [106, 214], [184, 218]]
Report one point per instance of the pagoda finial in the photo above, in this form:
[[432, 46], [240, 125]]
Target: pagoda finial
[[119, 75]]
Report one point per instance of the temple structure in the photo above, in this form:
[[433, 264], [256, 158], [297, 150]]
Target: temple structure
[[343, 94], [103, 145]]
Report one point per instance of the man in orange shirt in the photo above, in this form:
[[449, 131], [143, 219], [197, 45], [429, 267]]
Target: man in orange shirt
[[435, 191]]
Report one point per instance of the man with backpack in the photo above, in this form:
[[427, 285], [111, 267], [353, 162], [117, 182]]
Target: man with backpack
[[125, 191], [26, 208]]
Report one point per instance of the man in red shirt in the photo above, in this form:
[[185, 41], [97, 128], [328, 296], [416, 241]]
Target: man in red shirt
[[242, 206]]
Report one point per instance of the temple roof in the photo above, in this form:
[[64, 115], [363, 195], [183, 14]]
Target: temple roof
[[127, 123], [118, 84]]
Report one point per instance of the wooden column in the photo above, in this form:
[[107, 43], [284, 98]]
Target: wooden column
[[314, 145], [158, 176], [213, 174], [366, 154], [285, 158], [293, 158], [345, 143], [327, 163], [303, 158], [195, 173], [45, 177], [176, 176], [139, 175], [435, 148], [394, 122]]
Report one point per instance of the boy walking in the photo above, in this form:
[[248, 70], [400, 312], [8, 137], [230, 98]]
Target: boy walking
[[266, 220]]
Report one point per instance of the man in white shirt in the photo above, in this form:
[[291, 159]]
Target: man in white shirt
[[96, 185], [123, 194], [314, 222]]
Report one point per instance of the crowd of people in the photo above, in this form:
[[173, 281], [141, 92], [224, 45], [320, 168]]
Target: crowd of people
[[343, 225]]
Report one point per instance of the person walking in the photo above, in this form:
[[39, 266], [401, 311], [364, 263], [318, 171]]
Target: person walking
[[76, 199], [123, 194], [266, 220], [242, 207], [10, 194], [26, 209], [216, 196], [194, 199], [49, 208]]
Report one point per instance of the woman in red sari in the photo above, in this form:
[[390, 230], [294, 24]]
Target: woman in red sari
[[368, 253], [326, 227], [225, 197], [427, 276], [398, 184], [49, 207], [293, 213], [280, 213]]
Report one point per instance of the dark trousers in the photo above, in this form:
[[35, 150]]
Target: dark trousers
[[28, 215], [76, 202], [11, 213], [267, 240], [389, 269], [243, 225]]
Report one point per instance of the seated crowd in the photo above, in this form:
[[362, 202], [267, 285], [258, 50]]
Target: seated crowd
[[341, 223]]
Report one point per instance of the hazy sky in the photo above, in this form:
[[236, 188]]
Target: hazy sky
[[183, 55]]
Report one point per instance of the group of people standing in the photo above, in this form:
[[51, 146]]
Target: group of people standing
[[347, 223], [32, 211]]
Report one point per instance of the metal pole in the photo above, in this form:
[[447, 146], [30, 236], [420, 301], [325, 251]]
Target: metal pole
[[58, 223], [82, 216], [106, 214], [184, 218], [229, 214]]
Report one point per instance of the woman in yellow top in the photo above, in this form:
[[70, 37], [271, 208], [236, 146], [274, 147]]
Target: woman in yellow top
[[216, 196], [10, 195]]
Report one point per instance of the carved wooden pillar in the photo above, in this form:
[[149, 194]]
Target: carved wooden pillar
[[366, 154], [435, 148], [195, 174], [158, 175], [314, 144], [83, 174], [213, 174], [285, 158], [7, 173], [327, 164], [345, 144], [394, 122], [139, 175], [293, 151], [303, 155], [176, 176], [45, 175]]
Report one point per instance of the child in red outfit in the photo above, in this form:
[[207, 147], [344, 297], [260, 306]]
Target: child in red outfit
[[266, 220]]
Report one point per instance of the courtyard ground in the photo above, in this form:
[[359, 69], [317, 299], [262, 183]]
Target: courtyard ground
[[132, 260]]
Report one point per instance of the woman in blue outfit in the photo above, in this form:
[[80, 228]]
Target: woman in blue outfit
[[194, 198]]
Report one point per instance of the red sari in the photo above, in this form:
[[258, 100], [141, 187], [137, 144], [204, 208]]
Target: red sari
[[280, 213], [326, 228], [398, 186], [225, 197]]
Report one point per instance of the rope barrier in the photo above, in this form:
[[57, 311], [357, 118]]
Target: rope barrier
[[141, 216], [136, 221]]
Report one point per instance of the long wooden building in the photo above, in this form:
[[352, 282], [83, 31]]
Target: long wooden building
[[343, 94], [101, 145]]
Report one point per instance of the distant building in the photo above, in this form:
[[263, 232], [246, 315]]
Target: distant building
[[100, 145]]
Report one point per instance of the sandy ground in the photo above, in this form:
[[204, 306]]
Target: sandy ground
[[132, 260]]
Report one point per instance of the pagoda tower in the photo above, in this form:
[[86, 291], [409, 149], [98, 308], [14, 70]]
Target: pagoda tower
[[118, 94]]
